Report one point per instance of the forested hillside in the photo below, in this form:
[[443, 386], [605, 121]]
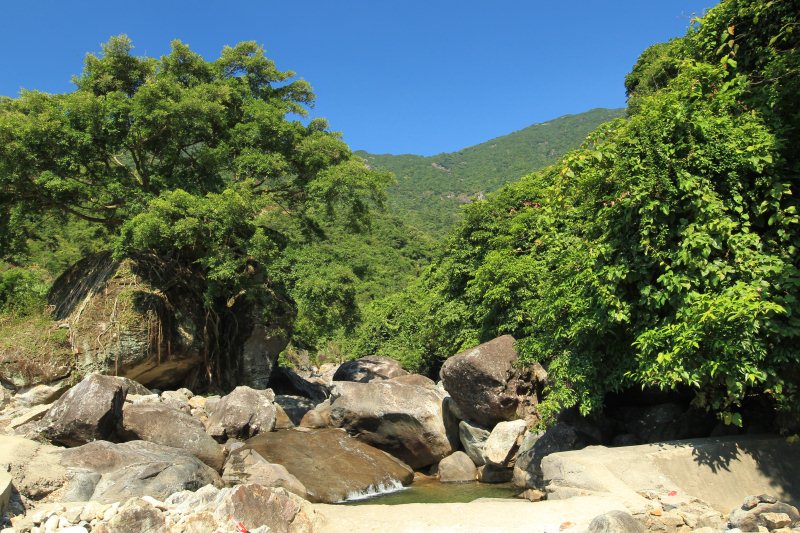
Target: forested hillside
[[430, 190], [661, 253]]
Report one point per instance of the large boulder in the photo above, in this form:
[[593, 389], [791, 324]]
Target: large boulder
[[404, 420], [369, 368], [133, 317], [570, 432], [489, 387], [133, 469], [162, 424], [144, 318], [331, 465], [243, 413], [557, 438], [457, 468], [88, 411], [307, 383]]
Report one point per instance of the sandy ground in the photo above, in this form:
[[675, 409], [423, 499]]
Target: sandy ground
[[480, 516]]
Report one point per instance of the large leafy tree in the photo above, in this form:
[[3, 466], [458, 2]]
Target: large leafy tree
[[208, 164]]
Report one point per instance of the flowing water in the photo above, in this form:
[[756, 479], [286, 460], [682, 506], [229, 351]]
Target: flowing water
[[431, 491]]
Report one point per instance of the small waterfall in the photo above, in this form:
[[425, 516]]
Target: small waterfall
[[384, 487]]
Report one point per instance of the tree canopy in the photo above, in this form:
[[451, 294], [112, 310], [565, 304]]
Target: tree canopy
[[208, 164]]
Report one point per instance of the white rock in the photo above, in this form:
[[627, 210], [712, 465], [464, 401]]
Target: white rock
[[51, 524], [75, 529], [154, 502], [502, 442], [92, 511], [185, 392], [110, 512], [143, 398]]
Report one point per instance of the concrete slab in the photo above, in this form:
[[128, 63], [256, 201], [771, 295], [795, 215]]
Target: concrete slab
[[720, 471], [5, 491]]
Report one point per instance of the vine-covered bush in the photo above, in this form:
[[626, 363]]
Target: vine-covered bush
[[663, 252], [22, 291]]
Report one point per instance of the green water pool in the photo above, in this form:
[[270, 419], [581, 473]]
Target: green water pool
[[431, 491]]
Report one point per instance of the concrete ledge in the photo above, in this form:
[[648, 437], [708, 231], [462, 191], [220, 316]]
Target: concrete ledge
[[719, 471], [6, 487]]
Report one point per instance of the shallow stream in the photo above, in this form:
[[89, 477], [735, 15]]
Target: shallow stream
[[432, 491]]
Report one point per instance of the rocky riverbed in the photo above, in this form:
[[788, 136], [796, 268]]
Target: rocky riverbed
[[110, 454]]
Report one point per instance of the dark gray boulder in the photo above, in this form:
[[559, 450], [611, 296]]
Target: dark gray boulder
[[369, 368], [489, 387], [406, 421], [243, 413], [162, 424], [295, 407], [88, 411], [138, 468]]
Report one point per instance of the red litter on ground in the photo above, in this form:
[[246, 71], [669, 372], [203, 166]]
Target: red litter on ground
[[239, 526], [672, 493]]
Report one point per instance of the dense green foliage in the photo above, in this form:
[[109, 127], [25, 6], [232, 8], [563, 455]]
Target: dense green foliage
[[22, 291], [430, 190], [663, 252]]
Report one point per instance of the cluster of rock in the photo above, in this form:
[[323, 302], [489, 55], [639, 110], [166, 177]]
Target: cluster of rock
[[183, 462], [671, 514], [252, 507], [112, 439]]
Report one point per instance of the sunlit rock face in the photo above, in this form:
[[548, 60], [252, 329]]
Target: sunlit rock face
[[331, 465]]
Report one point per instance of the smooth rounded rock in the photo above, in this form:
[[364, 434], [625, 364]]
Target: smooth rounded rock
[[457, 468], [503, 442], [330, 464], [615, 522]]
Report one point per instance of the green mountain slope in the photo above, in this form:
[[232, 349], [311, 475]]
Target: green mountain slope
[[429, 190]]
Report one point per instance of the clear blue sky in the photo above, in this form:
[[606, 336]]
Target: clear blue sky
[[395, 76]]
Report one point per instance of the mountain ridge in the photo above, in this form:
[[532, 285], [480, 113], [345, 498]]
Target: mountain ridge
[[430, 189]]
